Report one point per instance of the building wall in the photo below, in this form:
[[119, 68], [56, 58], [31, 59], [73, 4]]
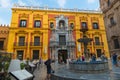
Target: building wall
[[4, 32], [112, 28], [47, 16]]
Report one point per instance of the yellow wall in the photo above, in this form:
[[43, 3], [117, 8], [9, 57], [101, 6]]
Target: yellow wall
[[43, 32]]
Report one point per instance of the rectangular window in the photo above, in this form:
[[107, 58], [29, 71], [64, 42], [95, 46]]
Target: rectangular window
[[112, 22], [21, 41], [1, 45], [36, 41], [116, 44], [37, 24], [84, 25], [23, 23], [95, 26], [62, 40]]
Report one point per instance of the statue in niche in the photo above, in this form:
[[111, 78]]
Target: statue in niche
[[61, 25]]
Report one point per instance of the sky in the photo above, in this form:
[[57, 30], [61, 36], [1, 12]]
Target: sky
[[6, 5]]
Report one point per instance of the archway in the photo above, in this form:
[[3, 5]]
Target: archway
[[62, 56]]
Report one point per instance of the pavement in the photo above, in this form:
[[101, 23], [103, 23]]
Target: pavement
[[40, 73]]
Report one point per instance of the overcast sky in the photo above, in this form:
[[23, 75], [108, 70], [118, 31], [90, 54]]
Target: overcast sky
[[6, 5]]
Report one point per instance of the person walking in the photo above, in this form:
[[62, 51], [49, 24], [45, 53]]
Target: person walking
[[49, 68], [114, 59], [103, 57], [40, 63], [93, 57], [83, 57]]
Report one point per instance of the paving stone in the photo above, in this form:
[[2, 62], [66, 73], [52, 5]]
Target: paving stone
[[62, 70]]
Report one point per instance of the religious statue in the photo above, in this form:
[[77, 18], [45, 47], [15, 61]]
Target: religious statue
[[61, 25]]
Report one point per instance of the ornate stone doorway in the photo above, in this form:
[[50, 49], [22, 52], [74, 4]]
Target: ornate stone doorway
[[62, 56]]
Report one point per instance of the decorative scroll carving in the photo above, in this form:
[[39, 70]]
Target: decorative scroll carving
[[21, 32], [83, 18], [37, 16], [24, 15], [37, 32], [97, 33], [94, 18]]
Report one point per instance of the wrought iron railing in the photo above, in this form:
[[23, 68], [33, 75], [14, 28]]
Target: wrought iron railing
[[20, 43], [36, 43], [98, 43], [62, 43]]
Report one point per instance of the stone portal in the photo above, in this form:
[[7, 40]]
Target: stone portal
[[62, 56]]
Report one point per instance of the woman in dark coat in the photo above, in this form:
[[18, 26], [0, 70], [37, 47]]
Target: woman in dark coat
[[114, 58], [49, 68]]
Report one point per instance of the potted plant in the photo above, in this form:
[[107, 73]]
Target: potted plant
[[22, 65]]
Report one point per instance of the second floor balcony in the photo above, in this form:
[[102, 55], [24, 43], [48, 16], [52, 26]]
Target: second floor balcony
[[62, 43], [98, 43], [25, 44], [36, 43], [20, 44]]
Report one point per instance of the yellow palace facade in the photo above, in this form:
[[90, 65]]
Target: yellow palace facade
[[42, 32]]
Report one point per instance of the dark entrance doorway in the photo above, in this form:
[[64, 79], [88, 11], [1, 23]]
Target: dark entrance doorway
[[20, 54], [99, 51], [62, 56], [1, 45]]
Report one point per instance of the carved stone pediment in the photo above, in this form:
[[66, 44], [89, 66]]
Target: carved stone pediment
[[83, 18], [37, 32], [37, 16], [24, 15], [97, 33], [114, 36], [21, 32], [94, 18]]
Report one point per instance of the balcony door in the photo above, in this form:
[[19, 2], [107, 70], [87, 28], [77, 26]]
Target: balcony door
[[1, 45], [62, 40], [35, 54], [36, 41], [21, 41], [99, 52], [20, 54], [97, 41]]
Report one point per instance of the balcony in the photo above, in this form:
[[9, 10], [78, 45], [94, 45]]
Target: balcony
[[36, 43], [59, 44], [20, 44], [54, 44], [62, 28], [98, 43]]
